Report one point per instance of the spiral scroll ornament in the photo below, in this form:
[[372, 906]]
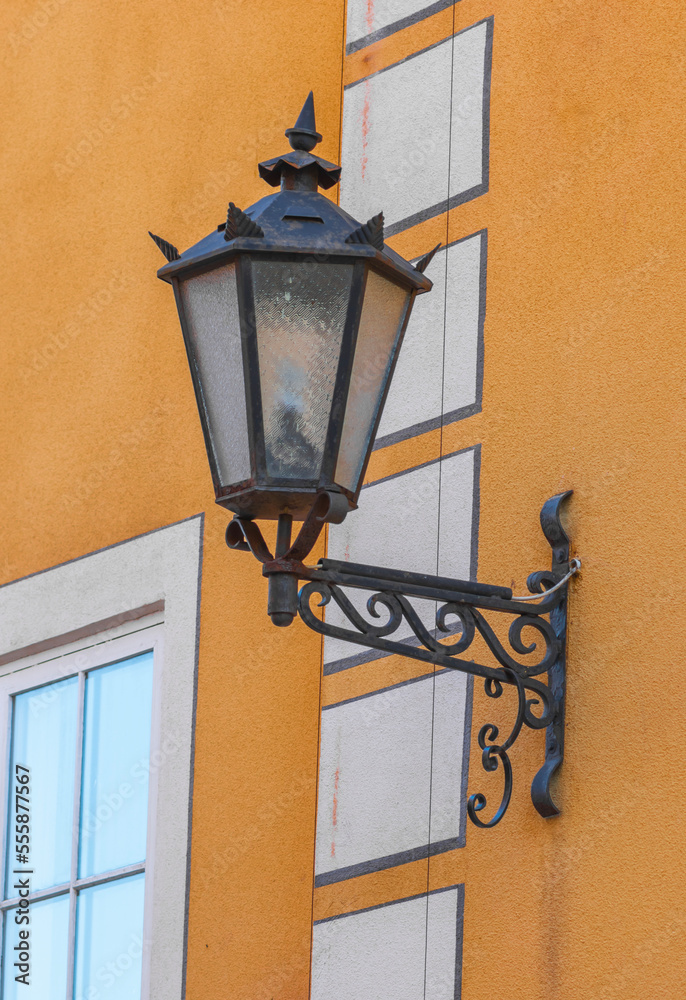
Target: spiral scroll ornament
[[531, 660]]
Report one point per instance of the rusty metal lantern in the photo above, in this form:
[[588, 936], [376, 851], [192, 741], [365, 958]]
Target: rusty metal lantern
[[293, 314]]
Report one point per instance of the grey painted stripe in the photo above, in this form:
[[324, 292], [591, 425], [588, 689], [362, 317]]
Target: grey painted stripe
[[390, 861], [414, 430], [483, 285], [347, 662], [438, 209], [453, 243], [391, 902], [488, 70], [403, 22], [476, 514], [368, 655], [389, 687], [201, 544], [459, 938]]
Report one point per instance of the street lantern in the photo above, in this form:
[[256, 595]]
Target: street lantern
[[293, 314]]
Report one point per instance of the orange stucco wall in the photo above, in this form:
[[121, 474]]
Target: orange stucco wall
[[122, 118]]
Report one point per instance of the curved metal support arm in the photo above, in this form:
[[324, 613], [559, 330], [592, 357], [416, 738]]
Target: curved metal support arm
[[534, 668]]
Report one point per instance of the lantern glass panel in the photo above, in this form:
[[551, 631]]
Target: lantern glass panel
[[300, 313], [383, 315], [210, 304]]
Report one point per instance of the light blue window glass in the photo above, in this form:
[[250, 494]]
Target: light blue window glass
[[89, 934], [49, 952], [109, 940], [116, 753], [44, 738]]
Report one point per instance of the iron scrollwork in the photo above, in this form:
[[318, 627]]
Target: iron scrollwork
[[461, 616]]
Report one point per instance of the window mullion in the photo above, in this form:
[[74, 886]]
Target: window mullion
[[36, 897], [76, 823], [111, 876], [72, 943]]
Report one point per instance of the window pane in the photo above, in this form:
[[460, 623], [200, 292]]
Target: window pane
[[383, 314], [109, 940], [210, 302], [48, 950], [114, 803], [300, 314], [44, 740]]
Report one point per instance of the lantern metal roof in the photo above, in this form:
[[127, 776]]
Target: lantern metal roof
[[296, 219]]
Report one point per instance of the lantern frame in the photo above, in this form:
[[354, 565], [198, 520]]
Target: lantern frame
[[293, 241]]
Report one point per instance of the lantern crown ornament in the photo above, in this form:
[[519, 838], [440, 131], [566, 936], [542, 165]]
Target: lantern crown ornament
[[293, 314]]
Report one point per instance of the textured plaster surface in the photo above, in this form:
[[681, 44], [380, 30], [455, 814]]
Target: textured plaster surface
[[123, 118]]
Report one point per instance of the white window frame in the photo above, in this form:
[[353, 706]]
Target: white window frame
[[104, 603], [32, 673]]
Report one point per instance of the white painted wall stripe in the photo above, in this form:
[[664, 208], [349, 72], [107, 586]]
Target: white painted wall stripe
[[415, 134], [387, 761], [392, 952], [439, 373], [395, 146]]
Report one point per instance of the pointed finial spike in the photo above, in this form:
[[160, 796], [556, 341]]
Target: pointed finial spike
[[306, 116], [239, 224], [422, 264], [304, 134], [371, 232], [169, 251]]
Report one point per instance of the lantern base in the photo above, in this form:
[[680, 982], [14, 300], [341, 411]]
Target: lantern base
[[268, 503]]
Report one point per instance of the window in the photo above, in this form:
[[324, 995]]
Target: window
[[102, 608], [80, 729]]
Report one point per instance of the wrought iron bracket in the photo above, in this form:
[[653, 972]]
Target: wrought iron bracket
[[464, 610]]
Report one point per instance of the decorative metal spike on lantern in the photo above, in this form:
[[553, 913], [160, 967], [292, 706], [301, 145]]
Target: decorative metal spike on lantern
[[293, 314]]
